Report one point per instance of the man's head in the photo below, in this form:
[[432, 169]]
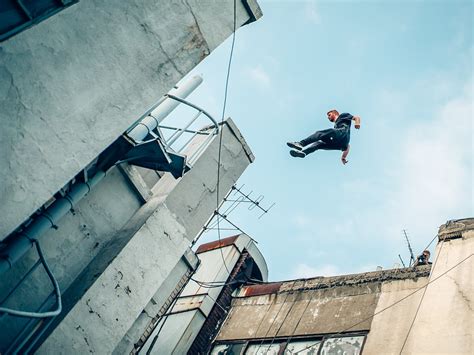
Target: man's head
[[333, 115], [426, 254]]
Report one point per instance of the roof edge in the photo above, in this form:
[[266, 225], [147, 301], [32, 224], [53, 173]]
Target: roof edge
[[321, 282]]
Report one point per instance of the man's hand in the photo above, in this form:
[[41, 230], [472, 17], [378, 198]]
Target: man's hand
[[345, 154], [356, 122]]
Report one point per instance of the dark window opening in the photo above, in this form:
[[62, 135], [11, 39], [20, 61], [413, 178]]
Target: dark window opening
[[347, 344], [18, 15]]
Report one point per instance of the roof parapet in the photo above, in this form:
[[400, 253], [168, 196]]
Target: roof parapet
[[457, 228], [321, 282]]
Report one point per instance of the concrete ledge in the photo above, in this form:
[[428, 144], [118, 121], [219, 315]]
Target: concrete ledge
[[458, 228], [337, 281]]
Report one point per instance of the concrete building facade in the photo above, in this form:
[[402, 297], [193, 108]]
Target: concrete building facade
[[72, 84], [425, 309], [200, 309], [112, 227]]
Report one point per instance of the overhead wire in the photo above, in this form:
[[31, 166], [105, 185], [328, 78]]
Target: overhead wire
[[274, 319], [221, 131], [432, 240], [421, 300], [164, 318], [395, 303], [57, 292]]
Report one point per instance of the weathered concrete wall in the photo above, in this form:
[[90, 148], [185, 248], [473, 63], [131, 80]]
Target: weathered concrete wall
[[79, 237], [445, 320], [159, 305], [117, 285], [300, 313], [195, 303], [316, 306], [72, 84], [390, 327]]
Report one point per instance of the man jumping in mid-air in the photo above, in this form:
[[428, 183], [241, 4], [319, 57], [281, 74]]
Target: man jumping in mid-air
[[336, 138]]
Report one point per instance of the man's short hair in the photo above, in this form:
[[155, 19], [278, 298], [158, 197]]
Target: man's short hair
[[333, 110]]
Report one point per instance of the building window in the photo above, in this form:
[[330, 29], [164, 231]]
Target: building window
[[18, 15], [303, 347], [228, 349], [268, 348], [323, 345], [343, 346]]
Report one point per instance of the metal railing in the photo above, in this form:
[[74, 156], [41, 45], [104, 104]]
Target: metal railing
[[209, 131], [41, 318], [148, 124]]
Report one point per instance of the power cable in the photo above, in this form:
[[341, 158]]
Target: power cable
[[57, 291], [274, 319], [395, 303], [165, 316], [301, 317], [421, 300], [432, 240], [221, 131]]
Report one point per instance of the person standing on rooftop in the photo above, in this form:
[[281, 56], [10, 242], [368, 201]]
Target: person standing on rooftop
[[336, 138]]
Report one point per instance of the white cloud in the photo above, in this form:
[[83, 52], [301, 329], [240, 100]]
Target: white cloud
[[312, 13], [260, 76], [434, 177]]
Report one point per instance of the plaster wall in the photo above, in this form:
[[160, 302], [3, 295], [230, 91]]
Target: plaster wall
[[445, 320], [156, 305], [195, 303], [80, 236], [300, 313], [389, 328], [118, 284], [72, 84]]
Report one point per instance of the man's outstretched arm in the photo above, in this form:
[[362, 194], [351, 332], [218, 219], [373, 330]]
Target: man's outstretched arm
[[345, 154], [356, 120]]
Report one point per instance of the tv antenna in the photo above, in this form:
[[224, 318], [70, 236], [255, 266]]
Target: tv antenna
[[234, 198], [412, 257], [243, 197], [401, 260]]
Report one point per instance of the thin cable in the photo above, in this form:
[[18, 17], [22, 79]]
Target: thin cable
[[432, 240], [235, 226], [221, 131], [165, 316], [57, 291], [213, 285], [281, 324], [421, 300], [395, 303], [301, 317]]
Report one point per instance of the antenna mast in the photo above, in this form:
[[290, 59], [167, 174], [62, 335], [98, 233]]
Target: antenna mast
[[412, 257]]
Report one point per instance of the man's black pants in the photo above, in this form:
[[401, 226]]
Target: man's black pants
[[327, 139]]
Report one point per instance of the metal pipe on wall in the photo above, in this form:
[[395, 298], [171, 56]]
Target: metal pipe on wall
[[23, 241], [165, 107], [46, 220]]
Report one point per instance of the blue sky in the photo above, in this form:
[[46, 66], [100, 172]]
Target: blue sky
[[405, 67]]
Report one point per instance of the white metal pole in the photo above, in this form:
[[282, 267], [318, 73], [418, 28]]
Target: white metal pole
[[149, 123]]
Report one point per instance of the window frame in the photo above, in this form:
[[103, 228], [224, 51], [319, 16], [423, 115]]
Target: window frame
[[285, 341]]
